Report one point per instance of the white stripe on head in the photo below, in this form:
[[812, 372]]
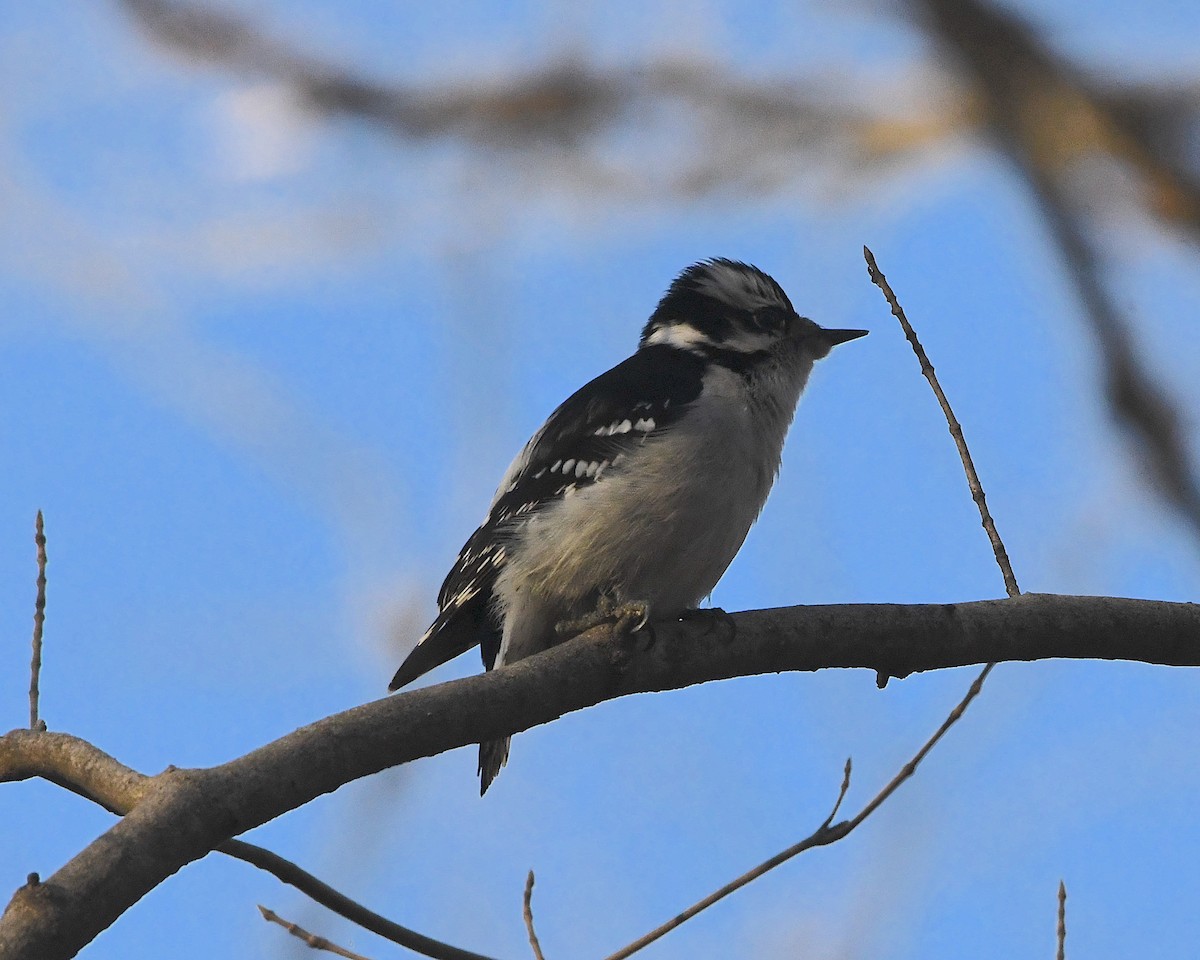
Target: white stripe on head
[[682, 336]]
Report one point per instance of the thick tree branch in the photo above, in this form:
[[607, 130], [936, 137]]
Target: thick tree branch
[[183, 814], [88, 771]]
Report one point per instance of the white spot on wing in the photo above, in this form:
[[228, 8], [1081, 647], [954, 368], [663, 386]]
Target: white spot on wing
[[463, 595], [645, 425], [568, 467]]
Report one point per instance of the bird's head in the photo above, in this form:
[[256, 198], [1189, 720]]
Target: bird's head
[[735, 314]]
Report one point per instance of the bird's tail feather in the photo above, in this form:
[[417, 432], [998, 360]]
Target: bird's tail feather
[[493, 754]]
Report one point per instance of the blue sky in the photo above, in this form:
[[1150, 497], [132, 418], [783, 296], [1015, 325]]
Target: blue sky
[[262, 372]]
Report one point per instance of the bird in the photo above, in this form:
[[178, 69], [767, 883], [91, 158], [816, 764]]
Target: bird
[[637, 492]]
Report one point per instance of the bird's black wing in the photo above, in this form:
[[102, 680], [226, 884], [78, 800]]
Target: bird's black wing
[[583, 439]]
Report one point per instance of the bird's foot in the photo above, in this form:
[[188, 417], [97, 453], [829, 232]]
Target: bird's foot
[[627, 618]]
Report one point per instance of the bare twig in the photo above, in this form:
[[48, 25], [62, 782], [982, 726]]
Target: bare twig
[[841, 793], [339, 903], [824, 835], [977, 494], [1062, 921], [314, 941], [39, 619], [528, 913]]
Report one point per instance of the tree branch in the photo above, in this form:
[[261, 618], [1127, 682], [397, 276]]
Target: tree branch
[[88, 771], [181, 815]]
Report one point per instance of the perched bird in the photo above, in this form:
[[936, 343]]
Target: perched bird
[[640, 488]]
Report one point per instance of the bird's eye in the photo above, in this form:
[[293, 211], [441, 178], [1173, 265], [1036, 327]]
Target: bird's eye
[[772, 320]]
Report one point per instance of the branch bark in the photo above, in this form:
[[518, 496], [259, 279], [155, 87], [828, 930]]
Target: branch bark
[[181, 815]]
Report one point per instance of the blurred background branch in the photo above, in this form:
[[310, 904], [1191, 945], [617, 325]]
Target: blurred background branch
[[739, 135]]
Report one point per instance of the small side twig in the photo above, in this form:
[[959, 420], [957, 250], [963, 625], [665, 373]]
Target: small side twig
[[39, 619], [841, 793], [977, 494], [1062, 921], [528, 912], [312, 939]]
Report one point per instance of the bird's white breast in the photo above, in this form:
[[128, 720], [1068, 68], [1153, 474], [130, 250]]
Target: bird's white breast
[[661, 525]]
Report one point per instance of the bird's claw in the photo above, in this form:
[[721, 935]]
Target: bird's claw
[[627, 618]]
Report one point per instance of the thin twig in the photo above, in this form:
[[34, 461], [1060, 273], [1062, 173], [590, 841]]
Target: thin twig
[[824, 835], [911, 767], [841, 793], [977, 494], [314, 941], [1062, 921], [39, 619], [330, 898], [528, 912]]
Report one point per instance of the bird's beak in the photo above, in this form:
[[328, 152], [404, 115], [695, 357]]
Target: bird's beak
[[834, 337]]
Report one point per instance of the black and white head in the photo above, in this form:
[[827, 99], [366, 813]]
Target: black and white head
[[735, 315]]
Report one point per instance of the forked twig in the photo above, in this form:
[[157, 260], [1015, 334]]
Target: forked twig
[[312, 939], [528, 913], [830, 832], [824, 835], [39, 618]]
